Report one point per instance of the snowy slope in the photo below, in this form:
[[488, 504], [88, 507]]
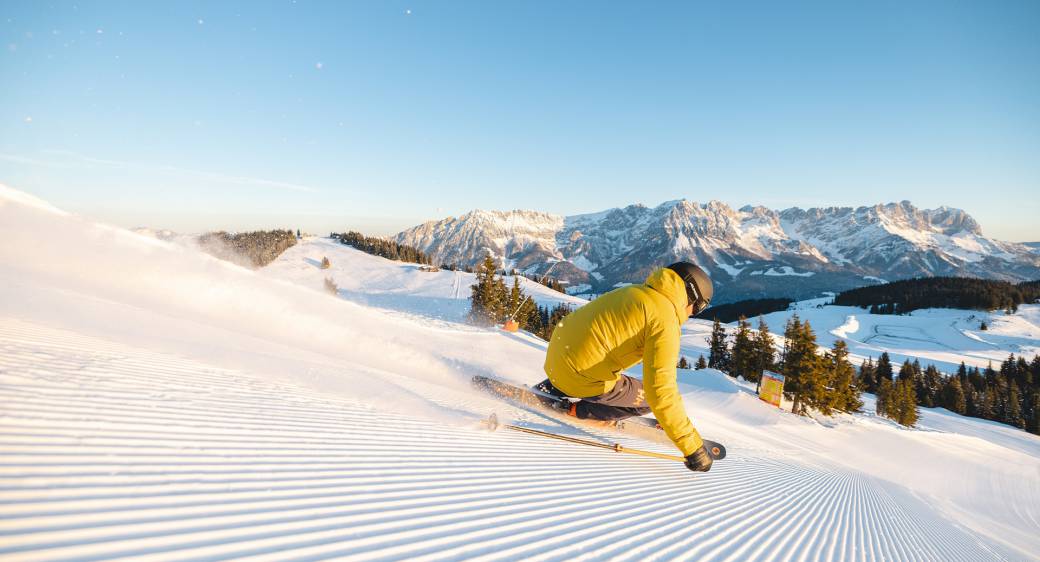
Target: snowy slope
[[398, 286], [156, 402]]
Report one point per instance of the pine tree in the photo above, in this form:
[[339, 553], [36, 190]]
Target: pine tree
[[884, 397], [930, 385], [953, 396], [513, 301], [559, 312], [1023, 376], [971, 396], [718, 352], [502, 297], [867, 377], [488, 295], [1032, 412], [527, 316], [906, 371], [898, 401], [742, 354], [976, 380], [533, 319], [906, 408], [815, 377], [805, 377], [325, 263], [521, 309], [883, 369], [1009, 368], [787, 357], [1013, 410], [701, 363], [984, 404], [683, 363], [845, 390], [764, 349], [990, 375]]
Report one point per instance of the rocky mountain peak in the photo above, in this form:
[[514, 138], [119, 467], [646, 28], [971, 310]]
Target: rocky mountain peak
[[752, 252]]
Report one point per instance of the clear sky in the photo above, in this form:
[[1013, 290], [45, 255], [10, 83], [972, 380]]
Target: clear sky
[[379, 115]]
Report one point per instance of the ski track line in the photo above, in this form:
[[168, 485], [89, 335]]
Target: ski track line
[[112, 452]]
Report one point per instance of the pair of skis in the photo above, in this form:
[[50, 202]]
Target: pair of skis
[[645, 428]]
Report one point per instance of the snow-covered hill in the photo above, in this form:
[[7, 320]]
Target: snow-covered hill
[[161, 404], [398, 286], [751, 252]]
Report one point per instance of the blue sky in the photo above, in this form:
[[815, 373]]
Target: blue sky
[[379, 115]]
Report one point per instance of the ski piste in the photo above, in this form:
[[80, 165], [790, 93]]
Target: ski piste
[[644, 428]]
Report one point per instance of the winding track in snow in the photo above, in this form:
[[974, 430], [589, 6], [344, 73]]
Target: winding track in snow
[[110, 451]]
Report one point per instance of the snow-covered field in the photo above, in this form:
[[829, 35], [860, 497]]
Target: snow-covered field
[[943, 337], [158, 403]]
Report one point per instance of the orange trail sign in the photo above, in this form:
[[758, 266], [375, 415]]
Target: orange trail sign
[[772, 388]]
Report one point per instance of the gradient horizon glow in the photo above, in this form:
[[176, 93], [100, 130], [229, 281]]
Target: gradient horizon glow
[[376, 116]]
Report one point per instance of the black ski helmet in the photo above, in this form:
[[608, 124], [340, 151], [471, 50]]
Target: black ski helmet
[[698, 285]]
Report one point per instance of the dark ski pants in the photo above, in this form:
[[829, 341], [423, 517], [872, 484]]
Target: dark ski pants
[[625, 400]]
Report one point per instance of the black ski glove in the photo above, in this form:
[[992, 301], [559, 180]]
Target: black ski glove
[[699, 460]]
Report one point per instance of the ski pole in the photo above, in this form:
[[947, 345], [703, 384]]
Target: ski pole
[[522, 303], [493, 424]]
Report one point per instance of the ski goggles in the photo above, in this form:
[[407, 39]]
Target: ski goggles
[[699, 302]]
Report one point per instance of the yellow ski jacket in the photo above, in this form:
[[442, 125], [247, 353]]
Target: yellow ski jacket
[[592, 345]]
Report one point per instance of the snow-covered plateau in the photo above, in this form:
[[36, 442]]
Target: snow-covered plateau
[[157, 403]]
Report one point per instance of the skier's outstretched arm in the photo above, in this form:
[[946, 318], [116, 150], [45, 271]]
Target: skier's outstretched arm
[[662, 392]]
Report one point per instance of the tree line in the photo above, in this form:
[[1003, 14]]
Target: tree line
[[828, 382], [258, 248], [823, 382], [384, 248], [900, 297], [491, 303], [731, 312], [1010, 395]]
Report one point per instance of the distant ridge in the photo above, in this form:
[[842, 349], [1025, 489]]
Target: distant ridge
[[751, 252]]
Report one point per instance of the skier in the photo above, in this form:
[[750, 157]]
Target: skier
[[591, 347]]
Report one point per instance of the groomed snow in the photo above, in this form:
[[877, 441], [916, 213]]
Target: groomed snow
[[158, 403]]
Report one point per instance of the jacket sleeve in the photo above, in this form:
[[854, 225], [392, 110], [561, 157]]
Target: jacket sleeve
[[660, 354]]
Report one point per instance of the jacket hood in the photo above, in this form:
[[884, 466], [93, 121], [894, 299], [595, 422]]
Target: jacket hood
[[669, 284]]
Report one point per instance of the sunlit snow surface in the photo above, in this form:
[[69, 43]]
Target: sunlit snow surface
[[943, 337], [158, 403]]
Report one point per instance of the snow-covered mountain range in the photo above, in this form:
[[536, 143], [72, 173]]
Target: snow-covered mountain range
[[750, 252]]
